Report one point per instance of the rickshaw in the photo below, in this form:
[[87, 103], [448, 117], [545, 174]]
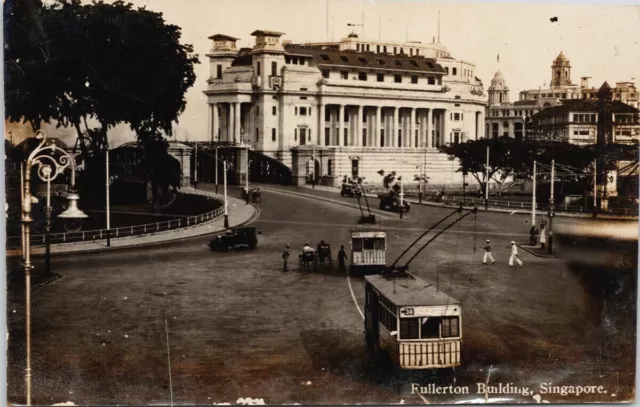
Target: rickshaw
[[350, 190], [308, 259], [324, 254]]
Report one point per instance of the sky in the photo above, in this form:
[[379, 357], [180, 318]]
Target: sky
[[601, 41]]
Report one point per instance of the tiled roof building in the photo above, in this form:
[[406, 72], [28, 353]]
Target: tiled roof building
[[357, 102]]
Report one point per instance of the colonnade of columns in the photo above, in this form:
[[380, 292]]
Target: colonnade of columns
[[382, 126], [231, 131]]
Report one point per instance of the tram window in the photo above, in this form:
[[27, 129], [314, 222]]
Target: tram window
[[357, 245], [378, 243], [450, 327], [368, 244], [430, 328], [409, 328]]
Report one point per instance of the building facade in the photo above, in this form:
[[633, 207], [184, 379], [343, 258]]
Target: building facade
[[506, 118], [345, 109]]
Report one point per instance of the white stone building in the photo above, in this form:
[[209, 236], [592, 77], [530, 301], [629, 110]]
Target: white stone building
[[506, 118], [356, 106]]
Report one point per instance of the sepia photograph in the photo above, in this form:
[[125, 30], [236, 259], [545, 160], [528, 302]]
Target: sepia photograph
[[320, 202]]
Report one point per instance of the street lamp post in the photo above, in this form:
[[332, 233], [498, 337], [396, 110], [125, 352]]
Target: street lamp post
[[486, 189], [401, 179], [108, 198], [226, 204], [50, 161], [551, 206]]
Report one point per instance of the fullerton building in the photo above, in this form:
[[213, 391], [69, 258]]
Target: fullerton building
[[352, 107]]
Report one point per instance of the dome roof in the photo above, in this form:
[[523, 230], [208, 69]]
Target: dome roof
[[498, 79], [561, 59]]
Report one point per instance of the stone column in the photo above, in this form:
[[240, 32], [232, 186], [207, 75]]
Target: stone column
[[357, 140], [229, 122], [376, 137], [429, 128], [412, 129], [214, 122], [210, 122], [321, 123], [396, 126], [340, 126], [236, 123]]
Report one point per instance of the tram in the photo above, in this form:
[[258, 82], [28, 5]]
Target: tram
[[413, 323], [368, 251]]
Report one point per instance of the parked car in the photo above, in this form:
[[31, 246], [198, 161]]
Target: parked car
[[390, 201], [351, 190], [236, 239]]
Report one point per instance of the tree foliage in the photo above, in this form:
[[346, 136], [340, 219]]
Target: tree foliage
[[70, 62]]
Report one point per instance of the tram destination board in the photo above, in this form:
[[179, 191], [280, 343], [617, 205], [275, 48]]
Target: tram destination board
[[320, 203]]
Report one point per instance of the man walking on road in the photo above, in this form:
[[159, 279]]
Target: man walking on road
[[342, 257], [285, 257], [514, 255], [487, 253]]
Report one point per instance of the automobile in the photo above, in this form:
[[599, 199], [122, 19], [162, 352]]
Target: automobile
[[236, 239], [390, 201], [350, 190]]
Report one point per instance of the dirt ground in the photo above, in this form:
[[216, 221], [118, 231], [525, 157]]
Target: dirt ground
[[237, 327]]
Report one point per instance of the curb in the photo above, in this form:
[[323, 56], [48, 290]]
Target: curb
[[529, 250], [500, 210], [252, 218]]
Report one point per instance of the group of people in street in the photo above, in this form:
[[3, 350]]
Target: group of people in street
[[342, 255], [533, 235], [513, 258]]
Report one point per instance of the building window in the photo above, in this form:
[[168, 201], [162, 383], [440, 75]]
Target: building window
[[364, 137], [446, 68], [303, 111], [258, 68], [295, 110], [273, 134], [431, 80], [455, 71], [346, 137], [327, 136], [357, 47], [456, 116], [257, 134], [295, 134], [219, 71], [344, 74], [397, 78], [274, 68], [414, 79], [287, 59], [411, 51], [325, 73], [327, 115], [380, 77], [346, 116], [395, 50], [274, 110], [401, 51], [329, 167], [378, 49], [354, 169], [399, 138], [382, 138], [257, 111], [344, 58], [385, 49], [362, 76]]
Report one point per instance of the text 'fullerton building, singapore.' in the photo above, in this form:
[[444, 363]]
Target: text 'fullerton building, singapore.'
[[353, 107]]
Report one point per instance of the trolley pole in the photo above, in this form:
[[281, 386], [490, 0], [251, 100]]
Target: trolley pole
[[551, 206], [533, 197], [47, 258], [195, 169], [486, 189], [108, 204], [226, 204]]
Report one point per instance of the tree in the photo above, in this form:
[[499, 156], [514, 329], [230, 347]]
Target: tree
[[505, 158], [71, 62]]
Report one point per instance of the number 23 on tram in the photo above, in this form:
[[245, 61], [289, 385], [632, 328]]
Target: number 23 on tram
[[416, 325]]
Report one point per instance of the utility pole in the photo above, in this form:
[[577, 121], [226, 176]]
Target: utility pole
[[226, 204], [551, 206], [195, 170], [313, 161], [108, 188], [595, 190], [216, 168], [401, 179], [486, 189], [533, 197]]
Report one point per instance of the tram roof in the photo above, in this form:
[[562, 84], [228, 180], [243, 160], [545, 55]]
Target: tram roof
[[407, 290]]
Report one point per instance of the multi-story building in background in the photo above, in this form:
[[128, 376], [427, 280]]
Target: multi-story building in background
[[352, 107], [506, 118]]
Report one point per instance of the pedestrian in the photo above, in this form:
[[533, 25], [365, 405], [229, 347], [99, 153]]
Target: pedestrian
[[514, 255], [342, 257], [487, 253], [532, 235], [543, 236], [285, 257]]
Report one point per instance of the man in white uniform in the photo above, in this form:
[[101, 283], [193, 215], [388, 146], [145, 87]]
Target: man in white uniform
[[514, 255], [487, 253]]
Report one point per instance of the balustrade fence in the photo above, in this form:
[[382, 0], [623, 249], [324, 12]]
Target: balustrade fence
[[13, 242]]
